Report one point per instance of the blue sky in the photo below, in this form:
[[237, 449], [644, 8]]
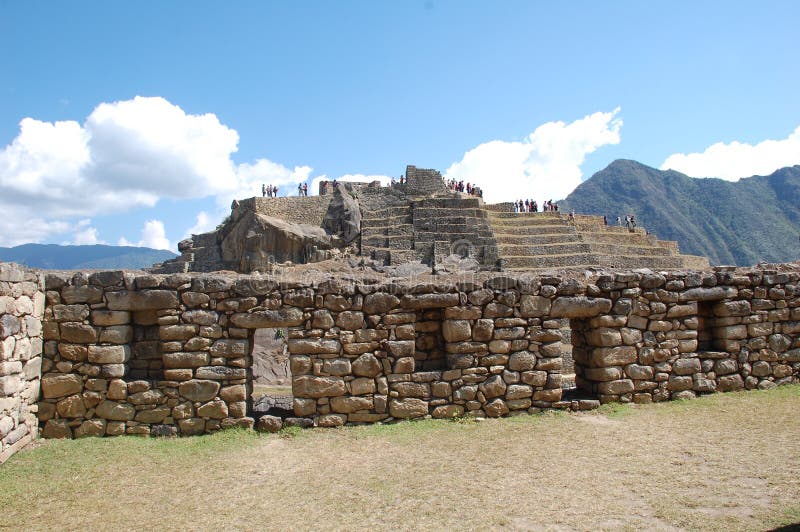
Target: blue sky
[[524, 98]]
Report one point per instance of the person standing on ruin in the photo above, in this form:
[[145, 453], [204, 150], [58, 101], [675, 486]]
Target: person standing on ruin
[[263, 190], [305, 189]]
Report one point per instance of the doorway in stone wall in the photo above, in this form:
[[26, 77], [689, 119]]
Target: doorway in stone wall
[[576, 356], [271, 373]]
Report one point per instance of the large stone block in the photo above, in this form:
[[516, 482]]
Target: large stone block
[[604, 337], [379, 303], [423, 301], [686, 366], [522, 361], [109, 354], [494, 386], [177, 332], [456, 330], [108, 318], [408, 408], [350, 320], [262, 319], [78, 333], [116, 411], [220, 373], [347, 405], [70, 312], [56, 385], [228, 348], [199, 390], [617, 387], [613, 356], [81, 294], [313, 346], [534, 306], [367, 365], [142, 300], [579, 307], [312, 386]]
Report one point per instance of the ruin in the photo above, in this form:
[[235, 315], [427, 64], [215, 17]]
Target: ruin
[[106, 353], [113, 352], [419, 221]]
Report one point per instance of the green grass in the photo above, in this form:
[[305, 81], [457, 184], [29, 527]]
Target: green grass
[[722, 462]]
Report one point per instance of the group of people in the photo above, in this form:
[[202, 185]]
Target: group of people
[[302, 189], [269, 190], [532, 206], [460, 186]]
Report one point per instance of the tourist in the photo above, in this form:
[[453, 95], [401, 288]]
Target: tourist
[[305, 189], [300, 189], [619, 221], [263, 190], [605, 220]]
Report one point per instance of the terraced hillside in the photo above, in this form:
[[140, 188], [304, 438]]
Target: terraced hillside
[[550, 240]]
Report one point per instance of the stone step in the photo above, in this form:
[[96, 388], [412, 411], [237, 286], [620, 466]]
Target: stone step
[[549, 261], [533, 230], [523, 215], [529, 222], [538, 239], [392, 242], [582, 247]]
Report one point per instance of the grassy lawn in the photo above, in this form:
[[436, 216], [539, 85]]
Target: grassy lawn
[[724, 462]]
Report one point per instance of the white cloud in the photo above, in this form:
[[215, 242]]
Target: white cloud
[[153, 236], [738, 159], [203, 224], [545, 165], [126, 155], [85, 234]]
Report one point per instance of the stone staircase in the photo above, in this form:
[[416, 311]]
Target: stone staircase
[[549, 240], [387, 234], [428, 229]]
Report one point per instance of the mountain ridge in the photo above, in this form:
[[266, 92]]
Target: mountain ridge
[[97, 256], [755, 219]]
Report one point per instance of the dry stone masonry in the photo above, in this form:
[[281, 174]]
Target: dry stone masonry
[[21, 310], [133, 353], [419, 221]]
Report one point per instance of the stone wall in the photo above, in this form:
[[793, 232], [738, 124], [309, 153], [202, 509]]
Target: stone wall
[[21, 308], [171, 354], [308, 210]]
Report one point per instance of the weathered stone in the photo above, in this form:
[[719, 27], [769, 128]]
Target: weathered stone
[[142, 300], [380, 303], [408, 408], [230, 348], [109, 354], [494, 386], [154, 415], [350, 320], [367, 366], [579, 307], [730, 383], [401, 348], [412, 389], [199, 390], [56, 385], [456, 330], [78, 333], [322, 319], [180, 359], [686, 366], [313, 346], [116, 411], [534, 306], [423, 301], [57, 429], [312, 386], [447, 411], [269, 424], [496, 408], [613, 356], [617, 387], [639, 372], [71, 407], [177, 332], [220, 373], [522, 361], [347, 405], [262, 319], [215, 409]]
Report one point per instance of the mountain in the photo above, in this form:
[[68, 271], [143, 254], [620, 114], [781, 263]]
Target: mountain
[[753, 220], [54, 257]]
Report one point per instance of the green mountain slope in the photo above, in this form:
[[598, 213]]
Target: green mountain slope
[[753, 220], [54, 257]]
